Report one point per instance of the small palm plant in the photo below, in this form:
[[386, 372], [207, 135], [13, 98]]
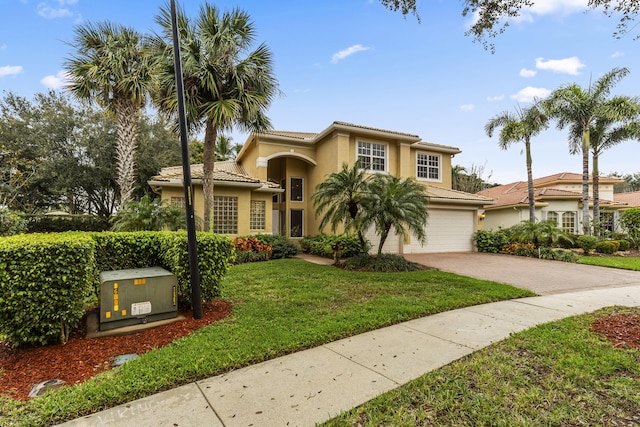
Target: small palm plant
[[149, 214]]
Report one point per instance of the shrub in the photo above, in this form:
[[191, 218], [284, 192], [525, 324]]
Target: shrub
[[565, 256], [521, 249], [281, 246], [630, 220], [44, 281], [64, 223], [11, 223], [380, 263], [325, 245], [250, 249], [625, 245], [489, 240], [587, 243], [607, 247], [215, 255]]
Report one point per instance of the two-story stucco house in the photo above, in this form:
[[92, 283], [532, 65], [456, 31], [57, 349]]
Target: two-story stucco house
[[558, 198], [268, 188]]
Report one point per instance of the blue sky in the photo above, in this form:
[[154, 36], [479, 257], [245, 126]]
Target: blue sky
[[357, 62]]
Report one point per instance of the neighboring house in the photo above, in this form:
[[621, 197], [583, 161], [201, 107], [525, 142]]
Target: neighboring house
[[630, 199], [276, 172], [558, 198]]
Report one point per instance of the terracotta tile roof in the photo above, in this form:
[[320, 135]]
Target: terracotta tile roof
[[374, 129], [517, 193], [446, 193], [632, 198], [570, 177], [228, 171]]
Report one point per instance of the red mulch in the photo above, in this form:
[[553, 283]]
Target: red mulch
[[81, 358], [623, 330]]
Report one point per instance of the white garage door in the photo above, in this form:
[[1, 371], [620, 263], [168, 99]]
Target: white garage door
[[447, 231]]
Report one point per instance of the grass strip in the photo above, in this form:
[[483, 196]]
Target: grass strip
[[625, 263], [557, 374], [279, 307]]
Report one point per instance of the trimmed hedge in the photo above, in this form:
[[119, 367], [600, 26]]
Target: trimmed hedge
[[490, 241], [44, 281], [607, 247], [62, 223], [325, 245], [215, 255], [281, 246]]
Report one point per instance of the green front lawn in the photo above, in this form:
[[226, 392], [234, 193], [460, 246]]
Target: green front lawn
[[279, 307], [626, 263], [557, 374]]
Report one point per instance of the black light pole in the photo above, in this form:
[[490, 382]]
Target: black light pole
[[196, 293]]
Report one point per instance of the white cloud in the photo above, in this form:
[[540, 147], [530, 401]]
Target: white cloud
[[467, 107], [348, 52], [60, 10], [617, 54], [495, 98], [10, 70], [530, 94], [55, 82], [567, 66], [528, 73]]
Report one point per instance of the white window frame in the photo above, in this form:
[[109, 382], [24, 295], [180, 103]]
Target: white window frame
[[371, 145], [428, 167]]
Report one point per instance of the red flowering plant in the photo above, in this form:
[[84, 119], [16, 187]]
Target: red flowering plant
[[250, 249]]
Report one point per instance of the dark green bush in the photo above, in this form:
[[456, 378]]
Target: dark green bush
[[281, 246], [625, 245], [124, 250], [62, 223], [215, 255], [44, 281], [490, 241], [607, 247], [11, 223], [380, 263], [587, 243], [325, 245]]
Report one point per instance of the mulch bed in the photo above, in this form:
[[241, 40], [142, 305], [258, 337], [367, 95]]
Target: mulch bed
[[81, 358]]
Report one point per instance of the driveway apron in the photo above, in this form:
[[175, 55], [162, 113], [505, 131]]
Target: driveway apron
[[543, 277]]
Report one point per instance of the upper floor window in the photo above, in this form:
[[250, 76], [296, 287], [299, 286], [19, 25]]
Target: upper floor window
[[296, 190], [428, 167], [372, 156]]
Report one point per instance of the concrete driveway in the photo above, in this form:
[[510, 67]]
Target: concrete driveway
[[540, 276]]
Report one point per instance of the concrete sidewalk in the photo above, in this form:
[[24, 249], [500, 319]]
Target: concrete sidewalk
[[312, 386]]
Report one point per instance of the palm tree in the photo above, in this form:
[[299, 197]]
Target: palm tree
[[111, 67], [340, 197], [396, 203], [225, 150], [579, 109], [521, 126], [149, 214], [604, 135], [226, 84]]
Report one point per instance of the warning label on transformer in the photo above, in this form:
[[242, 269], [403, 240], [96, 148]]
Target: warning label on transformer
[[140, 308]]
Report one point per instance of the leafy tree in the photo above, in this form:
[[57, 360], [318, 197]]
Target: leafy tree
[[110, 67], [631, 182], [396, 203], [339, 199], [159, 147], [226, 83], [521, 127], [630, 220], [149, 214], [491, 16], [580, 109], [470, 180], [607, 133]]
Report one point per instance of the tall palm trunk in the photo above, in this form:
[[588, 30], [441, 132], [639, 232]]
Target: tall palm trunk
[[585, 183], [532, 202], [127, 127], [596, 197], [209, 159]]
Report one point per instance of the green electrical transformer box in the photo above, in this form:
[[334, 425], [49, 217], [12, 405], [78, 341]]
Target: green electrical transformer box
[[141, 295]]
